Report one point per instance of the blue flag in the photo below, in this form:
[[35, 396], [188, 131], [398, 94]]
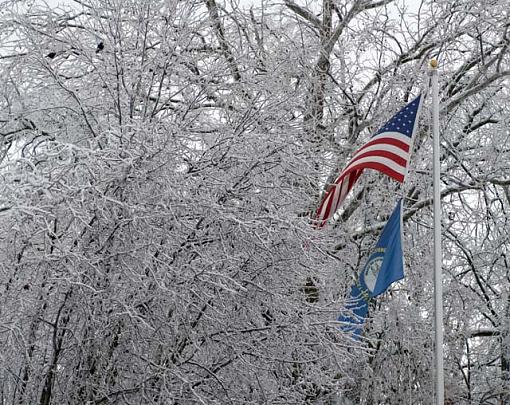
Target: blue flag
[[384, 266], [358, 307]]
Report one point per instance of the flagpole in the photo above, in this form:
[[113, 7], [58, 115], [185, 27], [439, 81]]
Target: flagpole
[[438, 279]]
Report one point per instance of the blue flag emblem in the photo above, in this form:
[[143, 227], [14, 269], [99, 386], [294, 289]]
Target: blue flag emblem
[[384, 266]]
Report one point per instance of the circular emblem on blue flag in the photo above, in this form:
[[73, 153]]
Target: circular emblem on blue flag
[[371, 271]]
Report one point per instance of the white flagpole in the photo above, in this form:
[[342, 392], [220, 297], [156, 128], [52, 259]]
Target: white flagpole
[[438, 279]]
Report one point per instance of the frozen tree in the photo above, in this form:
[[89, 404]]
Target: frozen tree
[[151, 196], [160, 163]]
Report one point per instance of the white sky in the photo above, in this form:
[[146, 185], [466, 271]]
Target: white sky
[[410, 4], [55, 3]]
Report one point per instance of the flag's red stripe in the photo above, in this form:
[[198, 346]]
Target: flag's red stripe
[[355, 171], [358, 174], [329, 200], [326, 200], [389, 141], [381, 168], [381, 153]]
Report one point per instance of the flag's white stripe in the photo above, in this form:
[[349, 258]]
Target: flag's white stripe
[[341, 189], [369, 158], [390, 134], [336, 196], [324, 215], [382, 141], [343, 193], [385, 147], [377, 159]]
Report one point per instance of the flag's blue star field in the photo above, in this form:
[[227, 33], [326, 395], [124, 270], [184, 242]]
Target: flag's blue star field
[[403, 121]]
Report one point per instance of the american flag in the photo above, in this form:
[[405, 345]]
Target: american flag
[[388, 151]]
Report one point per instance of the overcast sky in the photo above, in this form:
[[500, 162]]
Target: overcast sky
[[55, 3], [410, 4]]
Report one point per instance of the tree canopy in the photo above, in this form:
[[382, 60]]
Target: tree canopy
[[160, 164]]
